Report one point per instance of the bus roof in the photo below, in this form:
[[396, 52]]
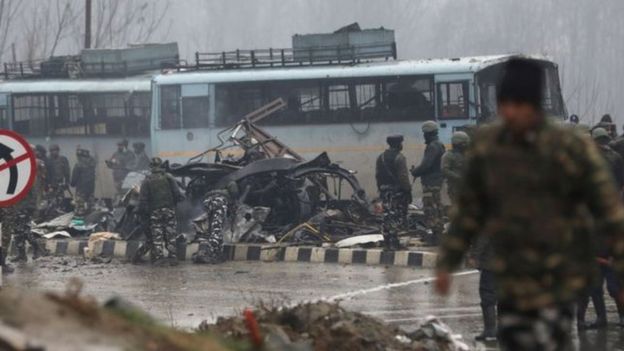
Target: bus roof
[[108, 85], [373, 69]]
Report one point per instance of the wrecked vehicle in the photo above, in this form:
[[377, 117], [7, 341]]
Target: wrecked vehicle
[[272, 176]]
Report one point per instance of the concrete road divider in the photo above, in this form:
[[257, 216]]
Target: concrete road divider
[[254, 252]]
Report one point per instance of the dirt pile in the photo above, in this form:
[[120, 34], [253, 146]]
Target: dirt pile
[[71, 322], [325, 326]]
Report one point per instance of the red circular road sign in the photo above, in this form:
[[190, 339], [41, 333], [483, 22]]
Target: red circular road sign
[[18, 168]]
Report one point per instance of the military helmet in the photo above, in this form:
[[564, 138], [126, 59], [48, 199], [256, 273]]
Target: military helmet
[[54, 147], [574, 119], [394, 139], [429, 127], [138, 145], [460, 138], [599, 133], [156, 162]]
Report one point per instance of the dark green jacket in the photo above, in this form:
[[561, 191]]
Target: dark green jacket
[[58, 171], [83, 175], [529, 198], [430, 169], [391, 171], [158, 190]]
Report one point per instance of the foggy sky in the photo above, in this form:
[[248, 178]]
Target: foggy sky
[[585, 39]]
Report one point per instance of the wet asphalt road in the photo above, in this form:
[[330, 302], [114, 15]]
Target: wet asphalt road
[[183, 296]]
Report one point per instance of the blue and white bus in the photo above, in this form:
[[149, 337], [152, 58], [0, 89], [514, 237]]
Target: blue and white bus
[[346, 110]]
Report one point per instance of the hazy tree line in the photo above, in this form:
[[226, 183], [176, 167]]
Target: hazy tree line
[[583, 36]]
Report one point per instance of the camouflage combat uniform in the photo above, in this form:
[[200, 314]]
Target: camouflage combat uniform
[[83, 179], [526, 195], [453, 164], [395, 192], [210, 234], [430, 173], [23, 214], [157, 201]]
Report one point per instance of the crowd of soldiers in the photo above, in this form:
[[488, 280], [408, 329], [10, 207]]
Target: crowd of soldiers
[[536, 207], [54, 182], [437, 166]]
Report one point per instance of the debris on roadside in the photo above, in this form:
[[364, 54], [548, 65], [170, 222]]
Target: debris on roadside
[[327, 326], [72, 322]]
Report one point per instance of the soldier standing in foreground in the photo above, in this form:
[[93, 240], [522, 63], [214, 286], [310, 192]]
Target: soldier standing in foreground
[[453, 163], [394, 188], [527, 181], [157, 202], [83, 179], [430, 173]]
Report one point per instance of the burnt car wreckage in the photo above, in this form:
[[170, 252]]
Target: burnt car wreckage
[[282, 198]]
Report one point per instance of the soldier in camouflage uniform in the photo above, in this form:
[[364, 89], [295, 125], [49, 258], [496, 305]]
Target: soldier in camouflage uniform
[[453, 163], [218, 206], [157, 202], [23, 214], [83, 179], [58, 173], [614, 287], [527, 182], [120, 163], [430, 173], [394, 188]]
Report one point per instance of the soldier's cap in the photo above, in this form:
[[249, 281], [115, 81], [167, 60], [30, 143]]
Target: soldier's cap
[[395, 139], [606, 118], [123, 142], [138, 145], [430, 127], [156, 162], [460, 138], [522, 81], [54, 147], [600, 133], [574, 119]]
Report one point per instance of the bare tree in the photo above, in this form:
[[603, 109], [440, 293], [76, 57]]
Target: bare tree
[[118, 23], [48, 24], [8, 11]]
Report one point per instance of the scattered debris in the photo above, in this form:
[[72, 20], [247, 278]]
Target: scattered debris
[[326, 326]]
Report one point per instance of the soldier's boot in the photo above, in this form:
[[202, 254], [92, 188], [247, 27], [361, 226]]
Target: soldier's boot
[[39, 249], [490, 331], [140, 253], [601, 312]]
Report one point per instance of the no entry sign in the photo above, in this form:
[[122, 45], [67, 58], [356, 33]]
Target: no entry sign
[[18, 167]]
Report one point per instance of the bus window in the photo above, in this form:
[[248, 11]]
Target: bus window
[[453, 99], [170, 107], [29, 114], [195, 105], [408, 99]]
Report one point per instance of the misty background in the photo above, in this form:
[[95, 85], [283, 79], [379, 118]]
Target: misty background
[[583, 36]]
